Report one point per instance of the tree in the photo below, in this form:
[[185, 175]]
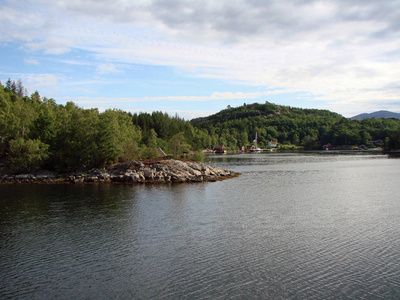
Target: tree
[[151, 150], [393, 141], [10, 84], [36, 97], [27, 155], [130, 136], [178, 145], [109, 148], [309, 142], [75, 142], [365, 137], [20, 90], [43, 128], [296, 139], [152, 140]]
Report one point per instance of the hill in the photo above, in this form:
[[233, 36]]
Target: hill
[[382, 114], [310, 128]]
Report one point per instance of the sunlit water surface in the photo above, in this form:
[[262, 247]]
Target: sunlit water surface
[[292, 226]]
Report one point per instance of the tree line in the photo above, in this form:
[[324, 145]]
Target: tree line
[[36, 132]]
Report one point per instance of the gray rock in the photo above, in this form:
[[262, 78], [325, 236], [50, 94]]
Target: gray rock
[[133, 172], [45, 174], [24, 176]]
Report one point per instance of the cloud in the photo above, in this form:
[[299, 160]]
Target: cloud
[[85, 91], [211, 97], [234, 21], [31, 61], [43, 80], [338, 51], [108, 68], [19, 24], [53, 45]]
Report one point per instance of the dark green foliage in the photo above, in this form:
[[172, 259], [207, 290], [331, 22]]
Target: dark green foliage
[[310, 128], [27, 155], [393, 141], [37, 132]]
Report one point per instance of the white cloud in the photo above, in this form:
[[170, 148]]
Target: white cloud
[[31, 61], [19, 24], [212, 97], [43, 80], [108, 68], [53, 45], [339, 51]]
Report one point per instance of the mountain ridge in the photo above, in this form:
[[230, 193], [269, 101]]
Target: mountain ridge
[[381, 114]]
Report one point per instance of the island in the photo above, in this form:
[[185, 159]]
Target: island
[[146, 171]]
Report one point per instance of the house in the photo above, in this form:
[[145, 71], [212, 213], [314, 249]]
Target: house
[[272, 144], [219, 149]]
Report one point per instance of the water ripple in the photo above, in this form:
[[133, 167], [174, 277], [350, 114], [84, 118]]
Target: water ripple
[[291, 227]]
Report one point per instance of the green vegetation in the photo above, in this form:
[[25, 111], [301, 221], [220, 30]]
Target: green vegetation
[[393, 141], [35, 132], [306, 128]]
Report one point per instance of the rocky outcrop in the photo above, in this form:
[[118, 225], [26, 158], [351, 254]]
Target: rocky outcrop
[[156, 171]]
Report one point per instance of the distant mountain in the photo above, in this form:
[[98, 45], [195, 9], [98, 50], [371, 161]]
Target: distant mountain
[[382, 114]]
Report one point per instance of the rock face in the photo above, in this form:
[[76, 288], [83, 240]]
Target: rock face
[[161, 171]]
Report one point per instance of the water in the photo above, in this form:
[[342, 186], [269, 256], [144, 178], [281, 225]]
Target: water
[[292, 226]]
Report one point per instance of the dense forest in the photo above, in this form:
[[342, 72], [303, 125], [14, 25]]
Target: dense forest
[[36, 132]]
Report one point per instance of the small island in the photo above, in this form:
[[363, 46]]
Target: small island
[[147, 171]]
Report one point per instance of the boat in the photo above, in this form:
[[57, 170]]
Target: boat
[[255, 148], [208, 151], [219, 149]]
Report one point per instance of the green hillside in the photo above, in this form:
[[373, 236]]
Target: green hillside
[[309, 128]]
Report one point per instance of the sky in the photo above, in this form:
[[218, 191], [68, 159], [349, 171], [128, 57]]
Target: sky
[[194, 58]]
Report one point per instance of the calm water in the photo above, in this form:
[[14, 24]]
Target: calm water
[[293, 226]]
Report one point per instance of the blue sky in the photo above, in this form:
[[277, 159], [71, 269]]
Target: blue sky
[[194, 58]]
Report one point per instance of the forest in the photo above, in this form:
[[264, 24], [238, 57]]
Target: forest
[[36, 132]]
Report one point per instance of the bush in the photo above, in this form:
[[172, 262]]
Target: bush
[[198, 156]]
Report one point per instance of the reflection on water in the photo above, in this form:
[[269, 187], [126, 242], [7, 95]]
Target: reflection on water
[[291, 226]]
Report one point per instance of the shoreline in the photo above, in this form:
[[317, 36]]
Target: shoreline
[[148, 171]]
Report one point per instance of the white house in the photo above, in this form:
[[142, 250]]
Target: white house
[[272, 144]]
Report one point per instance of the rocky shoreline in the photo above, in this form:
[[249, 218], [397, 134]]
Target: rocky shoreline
[[160, 171]]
